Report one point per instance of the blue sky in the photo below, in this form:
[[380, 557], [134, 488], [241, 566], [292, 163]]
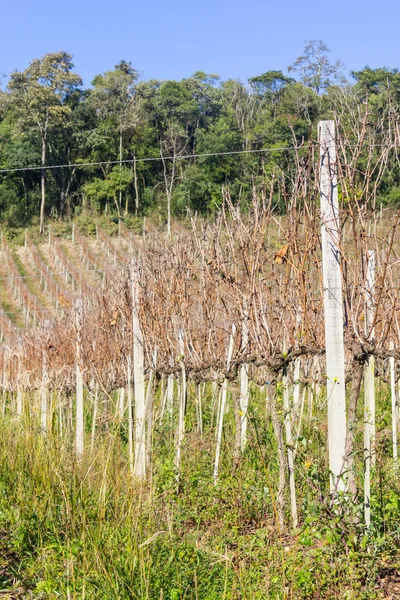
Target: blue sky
[[174, 38]]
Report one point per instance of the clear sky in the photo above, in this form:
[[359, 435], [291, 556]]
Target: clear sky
[[174, 38]]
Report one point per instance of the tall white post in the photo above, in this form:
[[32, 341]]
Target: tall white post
[[394, 404], [224, 392], [170, 394], [289, 444], [19, 391], [149, 410], [79, 379], [199, 410], [244, 381], [44, 396], [370, 333], [130, 414], [182, 405], [369, 389], [138, 377], [121, 403], [95, 411], [333, 305]]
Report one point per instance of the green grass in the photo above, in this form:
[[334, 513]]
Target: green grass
[[86, 530]]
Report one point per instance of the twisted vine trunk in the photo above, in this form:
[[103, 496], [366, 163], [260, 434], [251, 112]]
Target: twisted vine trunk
[[280, 499], [351, 427]]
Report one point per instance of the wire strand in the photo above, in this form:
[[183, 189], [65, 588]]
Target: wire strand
[[150, 159], [175, 157]]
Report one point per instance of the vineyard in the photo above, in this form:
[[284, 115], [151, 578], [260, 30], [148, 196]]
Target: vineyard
[[211, 412]]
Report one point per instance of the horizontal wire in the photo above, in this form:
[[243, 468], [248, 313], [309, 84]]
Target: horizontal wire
[[54, 273], [184, 157], [151, 159]]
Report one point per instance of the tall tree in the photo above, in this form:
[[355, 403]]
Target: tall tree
[[39, 98], [113, 98], [314, 67]]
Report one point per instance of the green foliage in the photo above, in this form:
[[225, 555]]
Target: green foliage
[[375, 81], [270, 83], [98, 191], [392, 197], [47, 118]]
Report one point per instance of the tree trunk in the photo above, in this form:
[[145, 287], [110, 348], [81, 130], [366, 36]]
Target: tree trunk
[[120, 168], [117, 205], [135, 179], [65, 202], [43, 184]]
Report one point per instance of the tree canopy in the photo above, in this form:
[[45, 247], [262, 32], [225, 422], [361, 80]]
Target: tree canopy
[[130, 145]]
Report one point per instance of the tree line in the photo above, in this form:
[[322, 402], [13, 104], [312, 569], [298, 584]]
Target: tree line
[[127, 145]]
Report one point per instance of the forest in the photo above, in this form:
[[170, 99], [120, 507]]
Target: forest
[[134, 146]]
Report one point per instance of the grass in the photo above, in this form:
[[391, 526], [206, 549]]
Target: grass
[[84, 529]]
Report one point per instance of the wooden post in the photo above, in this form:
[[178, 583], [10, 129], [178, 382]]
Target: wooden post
[[333, 306]]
